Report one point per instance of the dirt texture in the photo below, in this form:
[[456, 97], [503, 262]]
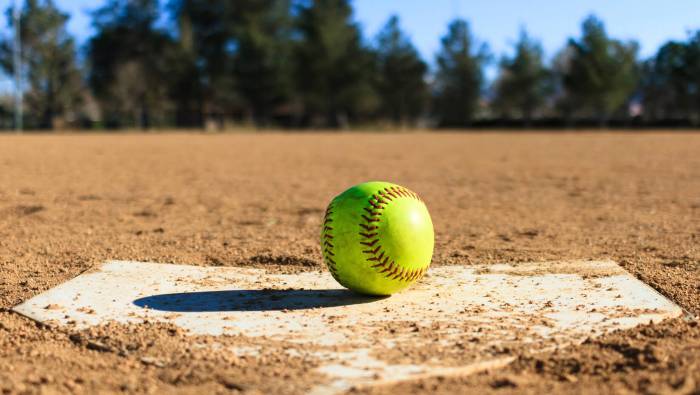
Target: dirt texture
[[70, 202]]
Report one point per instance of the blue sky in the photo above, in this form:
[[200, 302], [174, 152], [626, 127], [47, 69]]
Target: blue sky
[[650, 22]]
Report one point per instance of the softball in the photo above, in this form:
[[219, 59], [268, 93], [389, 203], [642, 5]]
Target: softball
[[377, 238]]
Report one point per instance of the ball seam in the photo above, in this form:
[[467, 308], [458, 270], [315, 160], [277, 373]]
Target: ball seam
[[378, 259], [327, 243]]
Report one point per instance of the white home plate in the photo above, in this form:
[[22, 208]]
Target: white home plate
[[458, 320]]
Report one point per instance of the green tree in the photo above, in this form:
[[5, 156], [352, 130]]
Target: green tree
[[334, 70], [401, 79], [262, 59], [665, 83], [206, 36], [523, 84], [130, 64], [459, 80], [601, 73], [53, 83]]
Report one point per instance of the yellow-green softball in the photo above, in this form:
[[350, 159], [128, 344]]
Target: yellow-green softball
[[377, 238]]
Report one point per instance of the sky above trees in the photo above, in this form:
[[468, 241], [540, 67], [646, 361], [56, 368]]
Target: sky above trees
[[650, 22]]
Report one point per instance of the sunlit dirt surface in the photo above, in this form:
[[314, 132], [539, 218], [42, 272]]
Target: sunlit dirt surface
[[68, 202]]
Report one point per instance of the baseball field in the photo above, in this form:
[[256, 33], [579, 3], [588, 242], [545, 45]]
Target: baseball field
[[71, 202]]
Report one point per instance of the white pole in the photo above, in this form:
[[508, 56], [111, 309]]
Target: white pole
[[17, 65]]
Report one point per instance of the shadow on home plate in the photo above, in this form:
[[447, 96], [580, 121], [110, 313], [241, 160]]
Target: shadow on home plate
[[253, 300]]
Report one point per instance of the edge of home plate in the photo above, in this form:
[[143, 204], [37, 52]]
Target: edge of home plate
[[485, 309]]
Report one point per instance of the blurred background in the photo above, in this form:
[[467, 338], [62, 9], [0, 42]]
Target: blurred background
[[220, 64]]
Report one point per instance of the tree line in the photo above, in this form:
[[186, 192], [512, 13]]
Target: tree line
[[306, 63]]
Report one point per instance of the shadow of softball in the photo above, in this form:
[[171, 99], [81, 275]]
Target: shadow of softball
[[253, 300]]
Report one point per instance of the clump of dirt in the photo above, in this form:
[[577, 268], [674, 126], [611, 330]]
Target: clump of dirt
[[29, 210], [282, 260]]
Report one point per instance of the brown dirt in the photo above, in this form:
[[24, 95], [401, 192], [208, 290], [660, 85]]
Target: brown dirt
[[70, 202]]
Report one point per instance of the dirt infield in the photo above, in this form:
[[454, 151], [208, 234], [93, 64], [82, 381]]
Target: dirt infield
[[69, 202]]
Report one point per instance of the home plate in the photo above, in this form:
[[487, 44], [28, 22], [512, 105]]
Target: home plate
[[458, 320]]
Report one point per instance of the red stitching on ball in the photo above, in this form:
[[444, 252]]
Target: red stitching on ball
[[328, 253], [377, 203], [373, 252]]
